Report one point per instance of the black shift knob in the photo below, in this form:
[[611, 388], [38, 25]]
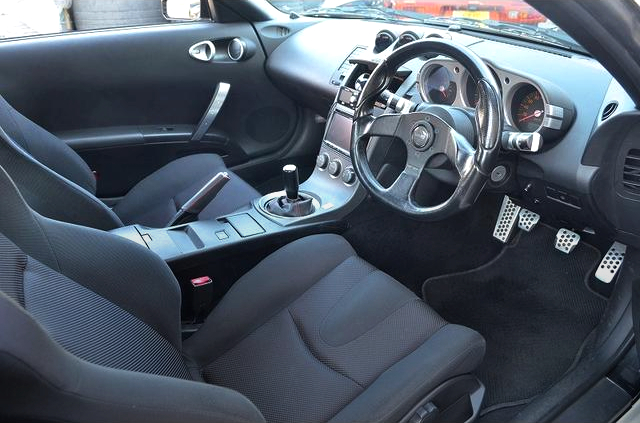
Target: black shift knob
[[291, 181]]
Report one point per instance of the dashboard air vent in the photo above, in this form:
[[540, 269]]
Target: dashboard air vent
[[608, 110], [341, 73], [275, 31], [283, 31], [631, 172], [443, 35]]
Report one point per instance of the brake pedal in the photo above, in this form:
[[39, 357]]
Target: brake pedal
[[611, 262], [528, 220], [566, 240], [507, 219]]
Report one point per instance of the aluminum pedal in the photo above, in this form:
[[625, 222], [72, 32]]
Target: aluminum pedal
[[611, 262], [566, 240], [528, 220], [507, 219]]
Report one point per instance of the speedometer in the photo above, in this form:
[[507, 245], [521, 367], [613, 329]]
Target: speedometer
[[527, 108], [439, 86]]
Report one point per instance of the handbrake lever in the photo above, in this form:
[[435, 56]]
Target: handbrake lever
[[190, 210]]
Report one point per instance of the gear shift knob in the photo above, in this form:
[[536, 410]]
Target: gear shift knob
[[291, 181]]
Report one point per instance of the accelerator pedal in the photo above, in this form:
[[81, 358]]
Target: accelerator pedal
[[507, 219], [528, 220], [611, 262], [566, 240]]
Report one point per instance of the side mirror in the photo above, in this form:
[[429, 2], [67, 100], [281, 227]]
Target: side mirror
[[181, 10]]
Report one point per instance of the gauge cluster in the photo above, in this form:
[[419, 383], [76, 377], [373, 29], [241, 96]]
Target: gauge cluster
[[529, 106]]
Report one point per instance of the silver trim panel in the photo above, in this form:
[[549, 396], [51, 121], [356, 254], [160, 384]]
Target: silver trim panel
[[243, 49], [203, 51], [219, 97]]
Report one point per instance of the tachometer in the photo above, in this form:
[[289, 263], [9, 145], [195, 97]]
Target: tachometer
[[439, 85], [472, 92], [471, 95], [527, 108]]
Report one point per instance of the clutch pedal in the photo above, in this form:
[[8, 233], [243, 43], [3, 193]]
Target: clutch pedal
[[507, 219], [566, 240], [611, 262], [528, 220]]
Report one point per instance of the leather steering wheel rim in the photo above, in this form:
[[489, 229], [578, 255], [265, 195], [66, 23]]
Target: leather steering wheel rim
[[425, 134]]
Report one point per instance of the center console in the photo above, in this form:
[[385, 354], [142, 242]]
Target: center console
[[333, 187], [330, 193]]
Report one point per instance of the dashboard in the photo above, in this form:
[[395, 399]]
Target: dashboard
[[563, 96]]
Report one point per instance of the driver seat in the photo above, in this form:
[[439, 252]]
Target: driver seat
[[58, 184], [91, 333]]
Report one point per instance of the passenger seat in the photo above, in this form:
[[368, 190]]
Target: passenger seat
[[57, 183]]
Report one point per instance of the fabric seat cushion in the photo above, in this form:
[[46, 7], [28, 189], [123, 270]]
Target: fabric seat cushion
[[309, 331], [157, 198]]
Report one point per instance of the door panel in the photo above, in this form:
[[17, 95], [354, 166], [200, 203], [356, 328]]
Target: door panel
[[128, 99]]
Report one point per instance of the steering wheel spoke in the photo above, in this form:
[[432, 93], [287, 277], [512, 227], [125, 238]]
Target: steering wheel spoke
[[384, 126], [459, 151], [403, 186]]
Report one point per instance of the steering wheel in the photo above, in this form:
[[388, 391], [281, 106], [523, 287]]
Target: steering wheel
[[426, 134]]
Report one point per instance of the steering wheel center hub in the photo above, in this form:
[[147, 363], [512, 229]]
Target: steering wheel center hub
[[422, 136]]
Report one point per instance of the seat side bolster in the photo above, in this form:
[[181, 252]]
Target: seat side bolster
[[45, 147], [117, 269], [50, 193], [123, 272], [452, 351], [265, 290], [66, 388]]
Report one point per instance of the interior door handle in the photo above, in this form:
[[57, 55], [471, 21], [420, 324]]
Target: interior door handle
[[219, 96], [203, 51]]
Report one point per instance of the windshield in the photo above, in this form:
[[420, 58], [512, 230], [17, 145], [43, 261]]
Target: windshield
[[513, 18]]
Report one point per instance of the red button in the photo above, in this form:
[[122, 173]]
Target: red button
[[202, 280]]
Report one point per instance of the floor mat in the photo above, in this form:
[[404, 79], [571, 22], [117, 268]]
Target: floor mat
[[501, 415], [412, 251], [532, 306]]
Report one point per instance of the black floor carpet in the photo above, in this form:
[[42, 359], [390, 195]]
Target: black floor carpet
[[412, 251], [532, 306], [501, 415]]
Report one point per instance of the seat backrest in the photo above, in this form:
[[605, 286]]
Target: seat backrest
[[90, 328], [53, 178]]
